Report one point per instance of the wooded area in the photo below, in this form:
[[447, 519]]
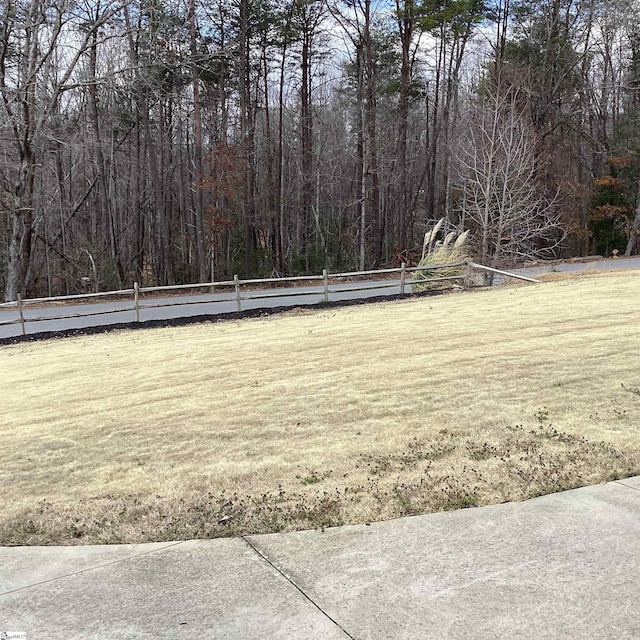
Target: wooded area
[[168, 141]]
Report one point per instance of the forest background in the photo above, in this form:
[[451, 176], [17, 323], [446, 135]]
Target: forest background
[[170, 141]]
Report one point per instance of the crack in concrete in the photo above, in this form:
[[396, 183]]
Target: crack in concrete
[[624, 484], [100, 566], [297, 588]]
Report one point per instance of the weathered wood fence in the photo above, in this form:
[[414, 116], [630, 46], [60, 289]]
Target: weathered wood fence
[[235, 288]]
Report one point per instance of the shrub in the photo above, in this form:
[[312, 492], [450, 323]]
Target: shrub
[[436, 252]]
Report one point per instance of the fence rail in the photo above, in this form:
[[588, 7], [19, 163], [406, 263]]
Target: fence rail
[[237, 296]]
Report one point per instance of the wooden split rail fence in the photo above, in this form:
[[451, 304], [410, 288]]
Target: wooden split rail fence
[[139, 304]]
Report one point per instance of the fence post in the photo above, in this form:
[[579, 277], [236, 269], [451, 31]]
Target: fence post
[[136, 300], [24, 330], [467, 276], [238, 298], [403, 275], [325, 281]]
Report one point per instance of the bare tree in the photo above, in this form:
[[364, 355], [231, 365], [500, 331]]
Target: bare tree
[[34, 73], [498, 193], [358, 18]]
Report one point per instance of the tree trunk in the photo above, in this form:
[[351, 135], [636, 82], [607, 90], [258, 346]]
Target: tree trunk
[[22, 229], [200, 250], [405, 29], [246, 132], [306, 138], [371, 141], [280, 188], [21, 211], [632, 244], [108, 215]]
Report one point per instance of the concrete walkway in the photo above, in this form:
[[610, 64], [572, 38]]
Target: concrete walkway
[[560, 566]]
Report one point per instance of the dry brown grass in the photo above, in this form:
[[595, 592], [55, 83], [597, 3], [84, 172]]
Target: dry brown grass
[[314, 419]]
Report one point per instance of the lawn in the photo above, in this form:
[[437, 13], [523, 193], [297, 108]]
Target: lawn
[[315, 418]]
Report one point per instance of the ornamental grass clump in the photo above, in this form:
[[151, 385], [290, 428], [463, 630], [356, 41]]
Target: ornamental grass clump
[[451, 250]]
